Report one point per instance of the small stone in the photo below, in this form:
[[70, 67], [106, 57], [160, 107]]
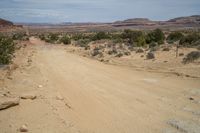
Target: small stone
[[9, 77], [40, 86], [28, 96], [23, 128], [191, 98], [59, 97]]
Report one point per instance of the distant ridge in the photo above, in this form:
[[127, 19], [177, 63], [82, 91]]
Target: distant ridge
[[5, 23], [180, 21]]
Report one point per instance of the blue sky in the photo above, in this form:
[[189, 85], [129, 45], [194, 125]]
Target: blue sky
[[56, 11]]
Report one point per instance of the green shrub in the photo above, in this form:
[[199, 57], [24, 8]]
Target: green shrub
[[7, 48], [51, 38], [155, 36], [134, 37], [19, 36], [175, 36], [42, 37], [65, 40], [100, 35], [192, 39], [153, 44]]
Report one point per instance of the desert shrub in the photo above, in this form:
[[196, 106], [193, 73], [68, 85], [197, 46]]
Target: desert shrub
[[155, 36], [77, 37], [175, 36], [192, 39], [134, 37], [96, 51], [7, 48], [181, 54], [153, 44], [166, 49], [82, 36], [117, 38], [119, 55], [100, 35], [65, 40], [192, 56], [127, 53], [42, 37], [112, 51], [19, 36], [139, 50], [83, 43], [150, 55], [198, 47], [52, 38]]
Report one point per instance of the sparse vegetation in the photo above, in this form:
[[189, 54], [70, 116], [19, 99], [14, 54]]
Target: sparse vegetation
[[100, 36], [7, 48]]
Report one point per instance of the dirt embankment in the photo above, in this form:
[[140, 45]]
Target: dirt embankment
[[77, 94]]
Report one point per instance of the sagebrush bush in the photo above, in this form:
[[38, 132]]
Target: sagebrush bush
[[7, 48], [65, 40], [96, 51], [150, 55], [19, 36], [192, 39], [192, 56], [174, 36], [155, 36], [134, 37], [100, 35]]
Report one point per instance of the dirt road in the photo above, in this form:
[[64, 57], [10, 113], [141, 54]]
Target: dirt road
[[77, 94]]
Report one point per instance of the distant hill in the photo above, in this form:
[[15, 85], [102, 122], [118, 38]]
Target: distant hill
[[190, 21], [5, 23]]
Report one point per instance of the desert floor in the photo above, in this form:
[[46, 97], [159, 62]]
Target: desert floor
[[78, 94]]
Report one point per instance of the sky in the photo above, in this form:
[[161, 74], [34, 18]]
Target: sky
[[56, 11]]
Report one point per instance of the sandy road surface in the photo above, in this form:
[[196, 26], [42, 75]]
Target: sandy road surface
[[83, 95]]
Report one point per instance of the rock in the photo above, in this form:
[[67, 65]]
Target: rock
[[185, 126], [23, 128], [59, 97], [4, 92], [6, 102], [40, 86], [191, 98], [28, 96]]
